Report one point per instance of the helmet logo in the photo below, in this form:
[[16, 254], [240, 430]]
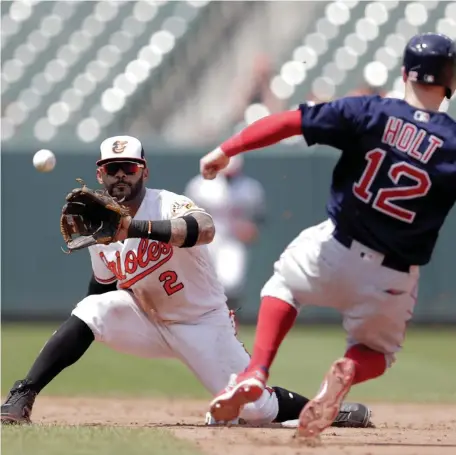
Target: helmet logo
[[413, 76], [119, 146]]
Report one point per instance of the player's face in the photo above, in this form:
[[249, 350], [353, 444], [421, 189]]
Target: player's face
[[123, 179]]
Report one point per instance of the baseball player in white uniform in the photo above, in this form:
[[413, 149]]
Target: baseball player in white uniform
[[155, 294], [237, 205]]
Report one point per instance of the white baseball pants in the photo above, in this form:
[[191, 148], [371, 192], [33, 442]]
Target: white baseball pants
[[376, 302], [209, 347]]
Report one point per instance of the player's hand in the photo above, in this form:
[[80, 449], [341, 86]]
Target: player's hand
[[122, 233], [212, 163]]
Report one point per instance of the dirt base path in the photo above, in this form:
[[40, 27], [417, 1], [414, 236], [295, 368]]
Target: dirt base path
[[401, 429]]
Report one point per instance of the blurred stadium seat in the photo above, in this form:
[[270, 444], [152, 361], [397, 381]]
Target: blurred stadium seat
[[356, 43], [80, 70], [69, 67]]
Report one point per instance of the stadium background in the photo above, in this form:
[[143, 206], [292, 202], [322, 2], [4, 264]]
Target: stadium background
[[182, 76]]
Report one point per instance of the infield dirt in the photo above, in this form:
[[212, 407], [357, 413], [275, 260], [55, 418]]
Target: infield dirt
[[403, 429]]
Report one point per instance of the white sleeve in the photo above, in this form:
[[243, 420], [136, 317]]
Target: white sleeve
[[175, 205], [100, 269]]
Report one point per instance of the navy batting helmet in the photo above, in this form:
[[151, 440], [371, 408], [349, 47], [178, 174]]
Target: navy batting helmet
[[430, 58]]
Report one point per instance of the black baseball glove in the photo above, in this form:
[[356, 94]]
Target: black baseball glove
[[90, 217]]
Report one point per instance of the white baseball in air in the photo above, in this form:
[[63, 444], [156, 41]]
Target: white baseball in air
[[44, 160]]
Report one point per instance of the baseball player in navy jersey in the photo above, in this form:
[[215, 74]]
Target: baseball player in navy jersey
[[155, 294], [391, 190]]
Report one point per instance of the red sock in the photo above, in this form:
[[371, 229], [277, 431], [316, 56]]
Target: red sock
[[369, 363], [275, 319]]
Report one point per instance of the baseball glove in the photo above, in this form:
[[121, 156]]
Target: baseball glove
[[90, 217]]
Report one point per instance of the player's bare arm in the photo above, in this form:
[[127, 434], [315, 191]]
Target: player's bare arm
[[180, 229], [194, 229]]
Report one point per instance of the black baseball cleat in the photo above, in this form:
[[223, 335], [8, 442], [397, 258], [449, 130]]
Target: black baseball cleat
[[353, 415], [17, 408]]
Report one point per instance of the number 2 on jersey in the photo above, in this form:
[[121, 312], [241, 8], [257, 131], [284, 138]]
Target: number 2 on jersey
[[383, 201], [169, 279]]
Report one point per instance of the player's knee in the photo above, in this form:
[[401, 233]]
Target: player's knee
[[94, 311], [262, 411], [277, 288], [379, 334]]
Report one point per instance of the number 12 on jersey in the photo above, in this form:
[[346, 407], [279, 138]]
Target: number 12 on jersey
[[383, 201]]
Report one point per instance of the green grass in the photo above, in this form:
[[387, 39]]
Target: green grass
[[39, 440], [425, 369], [100, 372]]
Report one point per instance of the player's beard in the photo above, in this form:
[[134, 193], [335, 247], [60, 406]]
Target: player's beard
[[126, 191]]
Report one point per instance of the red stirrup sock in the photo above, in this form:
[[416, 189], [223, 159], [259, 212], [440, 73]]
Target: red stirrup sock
[[369, 363], [275, 319]]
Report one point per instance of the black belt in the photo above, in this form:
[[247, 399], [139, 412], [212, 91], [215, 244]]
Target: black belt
[[388, 261]]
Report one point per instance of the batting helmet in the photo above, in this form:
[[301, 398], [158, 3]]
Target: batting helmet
[[430, 58]]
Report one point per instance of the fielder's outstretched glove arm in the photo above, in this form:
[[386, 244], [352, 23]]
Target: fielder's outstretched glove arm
[[92, 217]]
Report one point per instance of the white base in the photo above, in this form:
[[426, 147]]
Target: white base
[[209, 420], [290, 423]]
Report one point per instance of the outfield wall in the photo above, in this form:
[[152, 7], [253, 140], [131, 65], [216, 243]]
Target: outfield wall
[[39, 281]]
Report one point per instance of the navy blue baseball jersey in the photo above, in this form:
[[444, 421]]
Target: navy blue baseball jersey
[[395, 181]]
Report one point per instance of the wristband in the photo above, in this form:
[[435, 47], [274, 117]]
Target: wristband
[[156, 230]]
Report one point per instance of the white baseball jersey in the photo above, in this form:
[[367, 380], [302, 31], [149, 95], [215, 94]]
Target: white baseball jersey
[[242, 198], [173, 284]]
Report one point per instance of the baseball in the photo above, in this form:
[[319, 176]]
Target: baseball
[[44, 160]]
